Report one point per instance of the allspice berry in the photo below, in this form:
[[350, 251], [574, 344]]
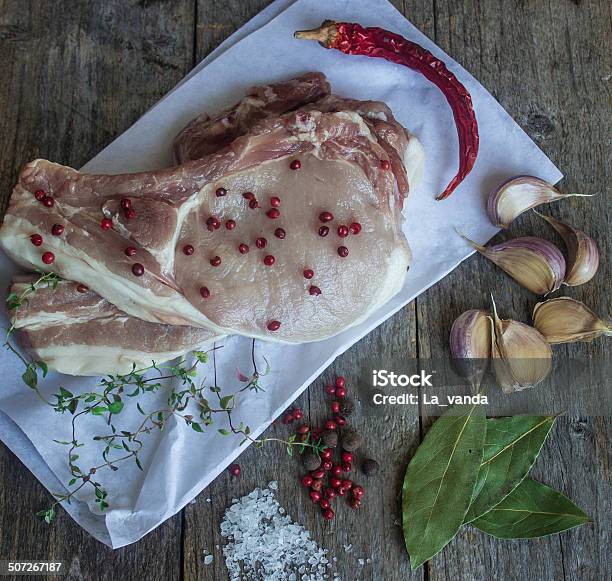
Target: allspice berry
[[347, 406], [329, 438], [351, 440], [369, 467], [311, 460]]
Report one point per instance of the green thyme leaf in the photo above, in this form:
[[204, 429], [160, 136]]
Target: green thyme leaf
[[196, 427], [65, 393], [223, 432], [115, 407], [201, 356], [99, 410], [29, 376], [43, 367], [47, 515], [224, 401], [531, 510]]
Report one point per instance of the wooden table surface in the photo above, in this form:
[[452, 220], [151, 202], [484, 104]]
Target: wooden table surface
[[76, 73]]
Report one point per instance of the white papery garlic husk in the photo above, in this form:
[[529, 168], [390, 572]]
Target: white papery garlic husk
[[470, 345], [519, 194], [534, 263], [565, 320], [522, 357], [582, 252]]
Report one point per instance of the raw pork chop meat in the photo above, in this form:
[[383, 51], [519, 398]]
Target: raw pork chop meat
[[79, 333], [346, 169], [59, 323]]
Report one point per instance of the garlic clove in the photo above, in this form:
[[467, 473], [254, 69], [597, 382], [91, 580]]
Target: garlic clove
[[519, 194], [522, 357], [536, 264], [565, 320], [470, 345], [582, 252]]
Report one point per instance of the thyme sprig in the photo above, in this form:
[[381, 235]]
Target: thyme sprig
[[192, 403]]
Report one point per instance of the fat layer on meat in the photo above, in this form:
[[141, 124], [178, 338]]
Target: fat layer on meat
[[340, 150]]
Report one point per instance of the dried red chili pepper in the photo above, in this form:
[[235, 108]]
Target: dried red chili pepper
[[351, 38]]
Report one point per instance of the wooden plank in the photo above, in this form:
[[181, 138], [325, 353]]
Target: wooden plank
[[546, 63], [75, 75]]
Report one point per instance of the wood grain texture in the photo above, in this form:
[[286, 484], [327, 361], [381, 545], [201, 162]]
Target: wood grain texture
[[76, 74]]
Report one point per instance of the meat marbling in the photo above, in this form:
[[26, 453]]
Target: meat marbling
[[340, 151], [79, 333]]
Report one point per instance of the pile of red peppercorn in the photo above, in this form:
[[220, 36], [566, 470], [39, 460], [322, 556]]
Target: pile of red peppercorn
[[328, 478]]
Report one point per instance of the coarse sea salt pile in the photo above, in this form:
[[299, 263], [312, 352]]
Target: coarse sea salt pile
[[265, 544]]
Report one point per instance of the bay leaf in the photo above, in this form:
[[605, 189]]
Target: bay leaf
[[531, 510], [439, 481], [511, 446]]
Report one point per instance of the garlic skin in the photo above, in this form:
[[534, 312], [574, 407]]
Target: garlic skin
[[470, 345], [534, 263], [522, 357], [582, 252], [519, 194], [565, 320]]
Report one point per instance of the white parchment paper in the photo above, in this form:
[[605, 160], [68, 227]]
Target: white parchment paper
[[179, 463]]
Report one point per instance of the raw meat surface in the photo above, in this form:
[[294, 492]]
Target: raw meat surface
[[341, 154], [80, 333]]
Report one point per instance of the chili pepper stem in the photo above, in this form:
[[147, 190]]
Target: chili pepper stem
[[325, 34]]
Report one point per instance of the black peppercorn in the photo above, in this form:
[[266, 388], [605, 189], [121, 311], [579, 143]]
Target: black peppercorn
[[311, 460], [329, 438], [351, 440], [369, 467], [347, 407]]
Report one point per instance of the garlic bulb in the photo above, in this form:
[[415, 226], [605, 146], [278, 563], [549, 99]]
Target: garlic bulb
[[522, 357], [582, 252], [536, 264], [519, 194], [565, 320], [470, 345]]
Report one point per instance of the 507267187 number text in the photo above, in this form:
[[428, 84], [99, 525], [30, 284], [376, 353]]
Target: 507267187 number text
[[32, 568]]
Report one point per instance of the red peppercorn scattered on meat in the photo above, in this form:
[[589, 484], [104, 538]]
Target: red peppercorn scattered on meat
[[230, 224], [188, 250], [273, 325], [106, 223], [355, 228], [326, 216], [234, 470], [323, 231], [39, 195], [275, 202], [130, 214], [36, 239], [48, 201], [295, 164], [204, 292], [48, 257], [261, 243], [130, 251], [82, 288], [57, 230], [138, 269], [273, 213], [126, 204], [221, 192], [280, 233]]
